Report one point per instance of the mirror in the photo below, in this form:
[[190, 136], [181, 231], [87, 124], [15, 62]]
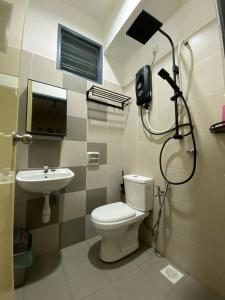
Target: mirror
[[221, 17], [46, 109]]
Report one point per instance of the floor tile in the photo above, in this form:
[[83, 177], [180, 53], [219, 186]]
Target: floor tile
[[84, 279], [113, 271], [152, 268], [189, 288], [143, 254], [74, 255], [137, 286], [53, 287], [94, 240], [43, 267], [104, 294], [72, 232], [19, 293]]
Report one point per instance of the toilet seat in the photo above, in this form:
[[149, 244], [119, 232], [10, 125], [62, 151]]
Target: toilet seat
[[115, 215], [114, 212]]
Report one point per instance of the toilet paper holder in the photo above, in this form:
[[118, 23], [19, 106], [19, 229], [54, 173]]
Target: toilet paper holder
[[93, 158]]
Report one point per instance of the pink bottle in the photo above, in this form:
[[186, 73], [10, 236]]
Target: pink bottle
[[223, 113]]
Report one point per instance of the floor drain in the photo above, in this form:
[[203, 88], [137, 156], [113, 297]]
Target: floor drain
[[172, 274]]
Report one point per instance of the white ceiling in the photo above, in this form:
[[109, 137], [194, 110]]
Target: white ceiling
[[100, 10], [122, 47]]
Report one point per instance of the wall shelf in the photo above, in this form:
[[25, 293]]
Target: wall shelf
[[218, 127], [106, 97]]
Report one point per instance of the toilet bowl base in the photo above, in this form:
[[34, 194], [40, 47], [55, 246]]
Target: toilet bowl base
[[119, 243], [118, 254]]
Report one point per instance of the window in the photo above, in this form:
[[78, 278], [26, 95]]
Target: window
[[79, 55]]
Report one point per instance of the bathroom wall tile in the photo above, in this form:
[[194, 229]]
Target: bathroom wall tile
[[34, 212], [76, 129], [25, 74], [146, 153], [97, 111], [130, 155], [44, 70], [89, 229], [72, 232], [97, 131], [113, 184], [22, 153], [44, 153], [77, 105], [204, 264], [176, 248], [130, 132], [21, 197], [211, 157], [116, 120], [72, 205], [206, 42], [50, 236], [203, 84], [10, 62], [95, 198], [115, 153], [101, 148], [96, 177], [73, 153], [78, 183], [74, 83]]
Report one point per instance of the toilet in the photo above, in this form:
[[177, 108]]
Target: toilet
[[118, 223]]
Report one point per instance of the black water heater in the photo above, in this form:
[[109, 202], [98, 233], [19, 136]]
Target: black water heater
[[144, 86]]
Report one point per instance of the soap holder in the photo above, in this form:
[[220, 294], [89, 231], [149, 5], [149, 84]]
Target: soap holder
[[93, 158]]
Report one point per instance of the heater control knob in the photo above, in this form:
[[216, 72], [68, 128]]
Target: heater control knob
[[139, 86]]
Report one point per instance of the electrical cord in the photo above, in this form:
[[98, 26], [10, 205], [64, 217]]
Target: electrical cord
[[159, 133], [182, 43]]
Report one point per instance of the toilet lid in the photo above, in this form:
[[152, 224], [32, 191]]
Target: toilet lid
[[114, 212]]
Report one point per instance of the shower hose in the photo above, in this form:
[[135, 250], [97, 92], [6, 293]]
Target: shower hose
[[172, 127]]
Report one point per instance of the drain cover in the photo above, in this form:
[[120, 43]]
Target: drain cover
[[171, 273]]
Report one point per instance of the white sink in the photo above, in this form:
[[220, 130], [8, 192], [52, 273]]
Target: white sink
[[37, 181]]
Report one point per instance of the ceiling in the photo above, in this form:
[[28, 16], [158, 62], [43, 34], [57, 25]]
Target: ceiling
[[122, 47], [99, 10]]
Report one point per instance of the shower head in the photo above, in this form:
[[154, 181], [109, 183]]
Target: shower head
[[144, 27]]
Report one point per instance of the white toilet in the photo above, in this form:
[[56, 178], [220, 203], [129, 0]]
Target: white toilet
[[118, 223]]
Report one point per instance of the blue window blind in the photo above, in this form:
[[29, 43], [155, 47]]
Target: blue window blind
[[79, 55]]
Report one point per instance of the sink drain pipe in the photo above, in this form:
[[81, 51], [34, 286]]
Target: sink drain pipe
[[46, 212]]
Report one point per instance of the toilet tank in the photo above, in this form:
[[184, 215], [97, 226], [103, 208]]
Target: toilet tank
[[139, 192]]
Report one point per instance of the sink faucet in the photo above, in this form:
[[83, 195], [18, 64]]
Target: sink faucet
[[45, 169]]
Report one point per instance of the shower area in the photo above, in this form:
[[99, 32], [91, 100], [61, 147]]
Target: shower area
[[168, 126]]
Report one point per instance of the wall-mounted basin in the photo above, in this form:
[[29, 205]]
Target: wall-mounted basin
[[44, 181], [38, 181]]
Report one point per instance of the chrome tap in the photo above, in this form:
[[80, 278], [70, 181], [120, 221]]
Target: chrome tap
[[45, 169]]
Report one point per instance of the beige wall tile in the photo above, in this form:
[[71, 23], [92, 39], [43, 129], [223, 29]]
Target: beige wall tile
[[96, 177], [10, 62], [73, 153], [97, 131], [44, 70], [90, 231], [50, 236], [72, 205], [77, 105], [115, 154], [113, 184]]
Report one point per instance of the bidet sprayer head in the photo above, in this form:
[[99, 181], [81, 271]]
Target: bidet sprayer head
[[166, 76]]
